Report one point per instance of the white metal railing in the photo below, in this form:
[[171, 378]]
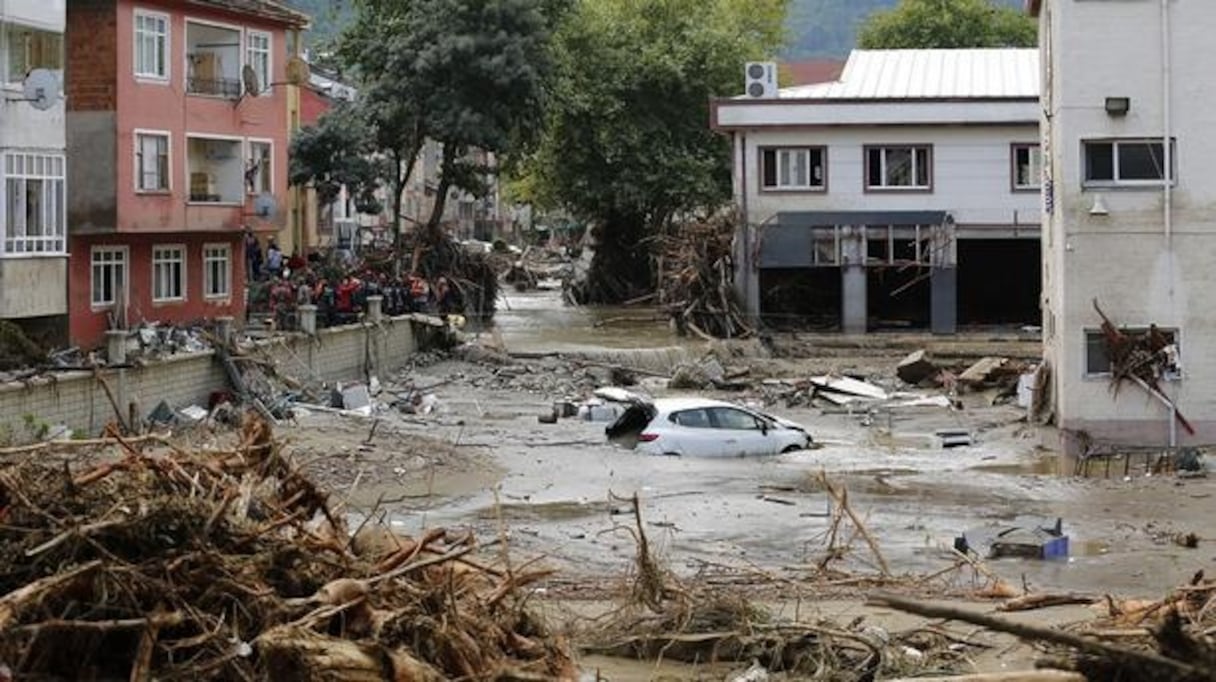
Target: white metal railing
[[27, 246]]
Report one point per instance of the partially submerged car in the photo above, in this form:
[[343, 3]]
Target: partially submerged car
[[698, 427]]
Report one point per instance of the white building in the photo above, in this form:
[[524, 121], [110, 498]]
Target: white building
[[903, 194], [33, 222], [1121, 78]]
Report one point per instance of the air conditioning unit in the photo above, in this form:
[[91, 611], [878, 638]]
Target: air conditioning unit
[[760, 79]]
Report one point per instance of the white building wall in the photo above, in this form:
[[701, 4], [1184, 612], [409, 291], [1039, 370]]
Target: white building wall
[[1125, 260], [21, 125], [972, 173], [49, 15], [32, 285]]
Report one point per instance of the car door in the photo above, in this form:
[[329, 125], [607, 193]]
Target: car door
[[692, 434], [740, 432]]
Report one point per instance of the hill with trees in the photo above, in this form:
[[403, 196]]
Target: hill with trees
[[828, 28], [815, 28]]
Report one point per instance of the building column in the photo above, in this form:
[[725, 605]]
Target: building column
[[747, 274], [943, 304], [943, 279], [854, 303]]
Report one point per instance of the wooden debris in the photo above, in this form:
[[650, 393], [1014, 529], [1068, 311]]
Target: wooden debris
[[1143, 358], [162, 563], [1181, 658], [697, 279], [1030, 602]]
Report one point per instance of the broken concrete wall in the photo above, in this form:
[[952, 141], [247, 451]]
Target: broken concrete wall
[[78, 400]]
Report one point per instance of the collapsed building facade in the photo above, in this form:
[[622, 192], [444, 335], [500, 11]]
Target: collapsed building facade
[[905, 194], [1127, 256]]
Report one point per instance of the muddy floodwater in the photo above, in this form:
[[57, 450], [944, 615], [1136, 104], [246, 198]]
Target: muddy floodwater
[[552, 486]]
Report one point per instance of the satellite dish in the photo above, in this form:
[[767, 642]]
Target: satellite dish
[[249, 76], [265, 205], [41, 88], [298, 71]]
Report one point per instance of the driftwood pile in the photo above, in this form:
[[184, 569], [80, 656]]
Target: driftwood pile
[[175, 564], [697, 620], [696, 286]]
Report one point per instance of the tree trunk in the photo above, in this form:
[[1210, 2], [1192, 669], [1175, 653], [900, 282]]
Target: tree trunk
[[622, 266], [434, 233], [401, 177]]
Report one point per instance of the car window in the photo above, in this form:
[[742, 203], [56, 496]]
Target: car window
[[729, 418], [695, 419]]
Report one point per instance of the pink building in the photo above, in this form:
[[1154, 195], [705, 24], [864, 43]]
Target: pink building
[[177, 135]]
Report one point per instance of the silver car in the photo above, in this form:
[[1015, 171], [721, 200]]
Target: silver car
[[698, 427]]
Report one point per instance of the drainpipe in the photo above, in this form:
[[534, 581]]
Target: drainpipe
[[744, 267], [1168, 193], [1170, 407], [1167, 135]]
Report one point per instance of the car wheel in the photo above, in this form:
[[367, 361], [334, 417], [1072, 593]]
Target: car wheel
[[671, 454], [790, 448]]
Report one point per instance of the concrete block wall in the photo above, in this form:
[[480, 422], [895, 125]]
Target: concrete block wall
[[78, 400]]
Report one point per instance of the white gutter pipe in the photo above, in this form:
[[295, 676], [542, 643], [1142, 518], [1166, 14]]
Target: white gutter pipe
[[1166, 93]]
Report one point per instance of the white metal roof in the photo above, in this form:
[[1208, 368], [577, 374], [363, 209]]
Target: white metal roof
[[930, 74]]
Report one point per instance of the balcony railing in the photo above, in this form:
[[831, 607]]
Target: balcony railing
[[222, 87]]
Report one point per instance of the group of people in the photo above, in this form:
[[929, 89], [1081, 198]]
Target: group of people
[[340, 299], [272, 264]]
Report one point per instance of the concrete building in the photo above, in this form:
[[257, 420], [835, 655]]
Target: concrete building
[[177, 132], [466, 216], [904, 194], [33, 223], [1127, 94]]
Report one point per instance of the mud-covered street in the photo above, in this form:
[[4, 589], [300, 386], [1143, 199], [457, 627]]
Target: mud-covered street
[[483, 460]]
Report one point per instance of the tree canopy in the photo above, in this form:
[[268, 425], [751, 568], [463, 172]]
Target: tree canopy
[[470, 74], [627, 145], [334, 154], [926, 24]]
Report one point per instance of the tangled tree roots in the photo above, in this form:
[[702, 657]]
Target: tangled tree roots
[[231, 565]]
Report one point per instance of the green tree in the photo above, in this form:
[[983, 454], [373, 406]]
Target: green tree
[[924, 24], [336, 153], [470, 74], [627, 146]]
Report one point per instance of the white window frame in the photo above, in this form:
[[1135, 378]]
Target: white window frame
[[249, 144], [264, 80], [1117, 181], [54, 212], [158, 260], [124, 262], [1035, 160], [139, 171], [926, 184], [208, 282], [167, 59], [789, 152]]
